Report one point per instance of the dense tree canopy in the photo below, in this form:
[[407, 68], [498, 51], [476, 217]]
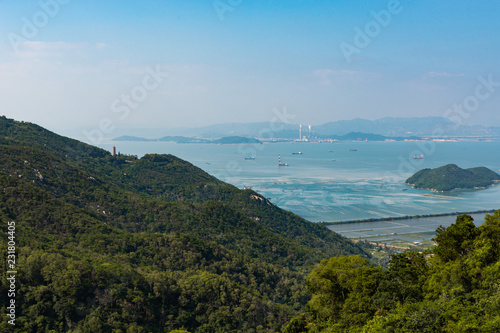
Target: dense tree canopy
[[453, 288]]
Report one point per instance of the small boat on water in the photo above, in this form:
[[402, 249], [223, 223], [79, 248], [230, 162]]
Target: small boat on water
[[418, 157], [297, 153], [281, 163], [353, 149], [249, 158]]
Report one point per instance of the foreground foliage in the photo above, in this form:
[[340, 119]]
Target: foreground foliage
[[453, 288]]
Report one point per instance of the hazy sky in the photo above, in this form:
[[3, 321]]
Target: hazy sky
[[67, 63]]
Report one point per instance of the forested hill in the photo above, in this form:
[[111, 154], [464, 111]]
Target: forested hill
[[450, 177], [32, 135], [150, 245]]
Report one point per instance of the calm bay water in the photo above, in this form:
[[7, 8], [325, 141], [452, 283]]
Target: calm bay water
[[340, 181]]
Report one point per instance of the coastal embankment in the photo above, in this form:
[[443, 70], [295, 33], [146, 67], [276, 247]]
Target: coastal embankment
[[406, 217]]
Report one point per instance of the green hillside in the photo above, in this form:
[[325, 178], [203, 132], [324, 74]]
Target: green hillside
[[121, 244], [32, 135], [450, 177]]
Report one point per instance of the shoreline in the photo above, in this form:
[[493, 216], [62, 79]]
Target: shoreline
[[395, 218], [456, 188]]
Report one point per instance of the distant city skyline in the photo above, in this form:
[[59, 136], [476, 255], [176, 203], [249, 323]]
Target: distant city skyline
[[109, 65]]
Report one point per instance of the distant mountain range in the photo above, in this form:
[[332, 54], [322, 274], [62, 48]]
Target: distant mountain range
[[352, 136], [424, 127], [361, 136], [389, 127], [386, 126]]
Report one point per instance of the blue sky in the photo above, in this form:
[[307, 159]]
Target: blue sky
[[238, 60]]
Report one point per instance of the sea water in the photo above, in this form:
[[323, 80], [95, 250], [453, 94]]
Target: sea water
[[340, 181]]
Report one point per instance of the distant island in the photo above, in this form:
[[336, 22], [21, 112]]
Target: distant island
[[451, 177], [183, 139], [239, 139], [230, 140]]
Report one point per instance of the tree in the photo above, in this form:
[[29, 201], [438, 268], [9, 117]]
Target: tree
[[342, 288], [456, 240], [403, 281]]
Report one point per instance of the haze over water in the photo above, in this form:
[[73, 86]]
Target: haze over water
[[332, 182]]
